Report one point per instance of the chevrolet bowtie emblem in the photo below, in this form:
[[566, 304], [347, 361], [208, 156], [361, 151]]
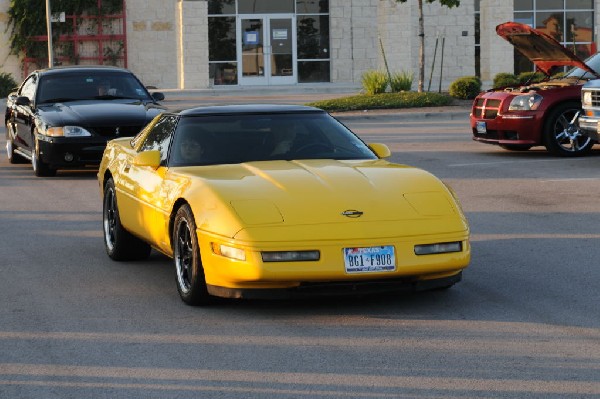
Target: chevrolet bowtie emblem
[[352, 213]]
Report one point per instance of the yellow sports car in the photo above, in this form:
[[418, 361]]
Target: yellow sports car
[[277, 201]]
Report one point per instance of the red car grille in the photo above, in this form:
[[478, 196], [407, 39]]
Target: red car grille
[[486, 109]]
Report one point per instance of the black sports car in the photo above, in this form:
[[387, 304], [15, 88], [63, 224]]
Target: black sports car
[[63, 117]]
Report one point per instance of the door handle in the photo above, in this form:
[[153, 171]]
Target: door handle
[[126, 168]]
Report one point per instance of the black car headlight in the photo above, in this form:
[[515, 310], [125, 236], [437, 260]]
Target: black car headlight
[[525, 102], [66, 131]]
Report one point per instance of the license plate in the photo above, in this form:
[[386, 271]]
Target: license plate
[[481, 127], [370, 259]]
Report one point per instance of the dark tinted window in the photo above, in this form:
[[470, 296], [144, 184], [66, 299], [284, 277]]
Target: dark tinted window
[[226, 139], [312, 6], [90, 85], [265, 6], [221, 7], [160, 136], [221, 39]]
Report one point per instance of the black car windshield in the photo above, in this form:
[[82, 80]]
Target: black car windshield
[[237, 138], [593, 62], [95, 85]]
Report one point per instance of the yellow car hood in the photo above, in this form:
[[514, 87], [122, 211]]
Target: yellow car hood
[[247, 201]]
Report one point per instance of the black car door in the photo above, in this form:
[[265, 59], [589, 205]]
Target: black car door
[[24, 113]]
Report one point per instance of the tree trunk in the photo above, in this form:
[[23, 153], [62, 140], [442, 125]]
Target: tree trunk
[[421, 48]]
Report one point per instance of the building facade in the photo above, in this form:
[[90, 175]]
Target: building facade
[[197, 44]]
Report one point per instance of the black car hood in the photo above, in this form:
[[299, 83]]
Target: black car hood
[[541, 49], [99, 113]]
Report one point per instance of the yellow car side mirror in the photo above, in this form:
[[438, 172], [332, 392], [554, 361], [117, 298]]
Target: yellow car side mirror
[[381, 150], [147, 158]]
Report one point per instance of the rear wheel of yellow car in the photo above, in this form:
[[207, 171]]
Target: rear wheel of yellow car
[[119, 243], [189, 272]]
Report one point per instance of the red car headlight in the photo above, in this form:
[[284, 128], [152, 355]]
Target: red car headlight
[[525, 102]]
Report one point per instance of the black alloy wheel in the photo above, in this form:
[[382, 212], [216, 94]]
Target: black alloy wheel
[[189, 272], [120, 245]]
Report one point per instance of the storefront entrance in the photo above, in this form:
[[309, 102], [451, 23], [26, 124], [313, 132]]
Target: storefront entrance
[[266, 49]]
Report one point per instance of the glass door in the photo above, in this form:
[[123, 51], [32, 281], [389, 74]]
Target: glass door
[[267, 50]]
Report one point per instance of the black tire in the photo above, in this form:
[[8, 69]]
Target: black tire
[[513, 147], [40, 168], [13, 157], [119, 243], [189, 273], [562, 136]]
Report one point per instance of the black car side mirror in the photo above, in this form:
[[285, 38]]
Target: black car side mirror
[[22, 100], [158, 96]]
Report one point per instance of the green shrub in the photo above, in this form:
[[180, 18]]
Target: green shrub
[[374, 82], [7, 84], [465, 88], [401, 81], [531, 77], [504, 79], [558, 75], [405, 99]]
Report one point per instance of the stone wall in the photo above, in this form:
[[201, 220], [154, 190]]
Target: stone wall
[[353, 35], [193, 45], [455, 27], [497, 55], [151, 41]]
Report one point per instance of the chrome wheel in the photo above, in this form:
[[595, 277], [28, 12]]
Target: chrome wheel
[[568, 135], [562, 134]]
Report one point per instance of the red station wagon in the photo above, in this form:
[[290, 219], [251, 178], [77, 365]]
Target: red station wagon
[[540, 114]]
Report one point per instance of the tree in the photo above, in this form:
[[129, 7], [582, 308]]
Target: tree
[[447, 3]]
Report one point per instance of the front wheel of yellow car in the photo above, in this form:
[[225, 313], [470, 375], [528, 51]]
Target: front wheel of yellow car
[[189, 272], [119, 243]]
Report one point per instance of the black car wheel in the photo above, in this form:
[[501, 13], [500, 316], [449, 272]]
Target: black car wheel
[[40, 168], [562, 135], [189, 272], [119, 243]]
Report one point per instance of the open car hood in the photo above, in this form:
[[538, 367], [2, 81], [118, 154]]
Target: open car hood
[[541, 49]]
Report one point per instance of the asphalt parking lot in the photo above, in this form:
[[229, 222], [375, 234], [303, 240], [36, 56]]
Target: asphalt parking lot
[[524, 322]]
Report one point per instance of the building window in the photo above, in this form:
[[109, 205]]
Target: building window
[[312, 22], [570, 22], [222, 67], [312, 37]]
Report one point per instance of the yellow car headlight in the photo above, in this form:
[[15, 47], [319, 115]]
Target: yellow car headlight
[[228, 251]]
